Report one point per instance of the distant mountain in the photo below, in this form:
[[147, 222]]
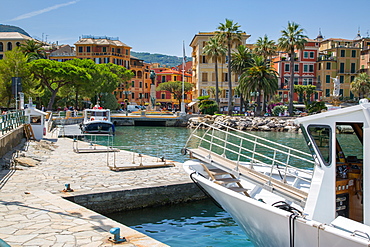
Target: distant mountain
[[9, 28], [170, 61]]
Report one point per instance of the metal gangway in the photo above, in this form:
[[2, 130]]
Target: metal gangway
[[241, 153]]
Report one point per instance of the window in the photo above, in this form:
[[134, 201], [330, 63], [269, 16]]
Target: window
[[175, 78], [163, 78], [353, 53], [328, 66], [327, 92], [226, 78], [146, 95], [132, 95], [327, 78], [140, 85], [88, 49], [1, 46], [10, 46], [112, 50], [312, 54], [353, 67], [18, 44], [342, 53], [321, 136], [305, 54], [295, 81], [80, 49], [287, 67], [305, 80], [106, 60], [1, 56], [118, 50], [140, 95], [305, 68], [341, 68], [296, 67], [310, 81], [163, 96], [319, 66], [133, 84], [310, 68], [341, 79], [204, 59], [204, 77], [104, 49], [352, 78]]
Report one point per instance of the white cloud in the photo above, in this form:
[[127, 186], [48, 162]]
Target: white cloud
[[41, 11]]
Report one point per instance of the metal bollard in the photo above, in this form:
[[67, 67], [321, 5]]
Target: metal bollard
[[116, 235], [68, 188]]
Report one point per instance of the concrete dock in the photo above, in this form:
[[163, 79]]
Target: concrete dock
[[35, 211]]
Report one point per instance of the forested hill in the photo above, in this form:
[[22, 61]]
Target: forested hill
[[170, 61]]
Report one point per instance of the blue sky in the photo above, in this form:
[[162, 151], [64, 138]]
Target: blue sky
[[161, 26]]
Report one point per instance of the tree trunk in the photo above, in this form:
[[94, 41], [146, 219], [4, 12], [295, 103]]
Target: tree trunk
[[291, 83], [229, 103], [217, 89], [258, 108], [76, 99], [52, 99]]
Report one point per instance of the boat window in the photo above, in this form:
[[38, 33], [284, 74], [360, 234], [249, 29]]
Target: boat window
[[321, 137]]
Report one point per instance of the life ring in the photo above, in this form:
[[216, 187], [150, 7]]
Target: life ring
[[92, 119]]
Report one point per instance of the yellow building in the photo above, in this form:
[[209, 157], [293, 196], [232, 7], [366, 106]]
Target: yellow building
[[10, 40], [204, 77], [338, 58]]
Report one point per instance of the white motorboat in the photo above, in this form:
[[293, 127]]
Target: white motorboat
[[97, 121], [285, 197]]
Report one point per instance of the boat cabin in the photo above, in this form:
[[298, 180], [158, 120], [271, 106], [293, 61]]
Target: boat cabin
[[97, 114], [338, 141]]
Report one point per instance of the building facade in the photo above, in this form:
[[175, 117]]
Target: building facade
[[305, 68], [204, 77], [10, 40]]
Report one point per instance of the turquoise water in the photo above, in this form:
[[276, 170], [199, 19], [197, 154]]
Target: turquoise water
[[193, 224]]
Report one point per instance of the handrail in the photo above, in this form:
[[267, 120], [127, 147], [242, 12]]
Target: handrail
[[11, 121], [276, 153]]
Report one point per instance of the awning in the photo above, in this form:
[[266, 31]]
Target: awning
[[192, 103]]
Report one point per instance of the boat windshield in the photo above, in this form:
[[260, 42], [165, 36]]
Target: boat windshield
[[320, 134], [99, 114]]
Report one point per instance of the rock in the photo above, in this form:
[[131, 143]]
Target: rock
[[27, 162]]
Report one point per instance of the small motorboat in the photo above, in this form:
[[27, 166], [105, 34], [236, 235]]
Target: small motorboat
[[97, 121], [285, 197]]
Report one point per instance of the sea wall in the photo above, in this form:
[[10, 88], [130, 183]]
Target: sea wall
[[247, 123], [115, 201], [10, 140]]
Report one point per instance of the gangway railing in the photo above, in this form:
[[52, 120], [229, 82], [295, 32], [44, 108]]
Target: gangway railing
[[11, 120], [242, 149]]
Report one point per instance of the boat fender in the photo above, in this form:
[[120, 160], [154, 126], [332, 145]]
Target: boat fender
[[44, 132], [184, 151], [92, 119], [105, 118]]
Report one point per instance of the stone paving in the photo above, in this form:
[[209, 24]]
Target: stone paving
[[33, 212]]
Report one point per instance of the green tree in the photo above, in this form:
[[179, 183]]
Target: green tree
[[292, 39], [361, 85], [206, 105], [13, 65], [215, 50], [305, 92], [175, 87], [54, 75], [229, 33], [265, 47], [33, 50], [240, 62], [260, 76]]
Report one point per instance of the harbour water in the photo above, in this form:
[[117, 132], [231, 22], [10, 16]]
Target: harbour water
[[191, 224]]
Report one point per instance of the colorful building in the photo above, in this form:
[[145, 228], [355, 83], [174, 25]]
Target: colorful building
[[204, 77], [338, 58], [10, 40], [305, 67], [165, 98]]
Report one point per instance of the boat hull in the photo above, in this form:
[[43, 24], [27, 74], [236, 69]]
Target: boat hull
[[98, 127], [267, 225]]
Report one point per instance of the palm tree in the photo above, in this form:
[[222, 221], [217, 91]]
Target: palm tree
[[229, 32], [215, 50], [361, 85], [265, 47], [33, 50], [259, 77], [292, 39], [240, 62]]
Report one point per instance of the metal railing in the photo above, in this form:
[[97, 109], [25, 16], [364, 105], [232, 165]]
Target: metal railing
[[11, 120], [245, 148]]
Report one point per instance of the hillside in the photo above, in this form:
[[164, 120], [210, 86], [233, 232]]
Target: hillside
[[170, 61]]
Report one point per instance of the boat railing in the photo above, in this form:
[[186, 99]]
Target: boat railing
[[250, 150]]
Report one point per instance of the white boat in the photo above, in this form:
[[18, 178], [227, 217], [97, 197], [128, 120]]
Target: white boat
[[97, 121], [285, 197]]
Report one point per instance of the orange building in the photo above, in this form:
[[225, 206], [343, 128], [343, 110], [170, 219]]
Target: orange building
[[171, 74]]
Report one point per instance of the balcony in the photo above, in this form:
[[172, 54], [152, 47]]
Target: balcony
[[346, 72], [326, 58]]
